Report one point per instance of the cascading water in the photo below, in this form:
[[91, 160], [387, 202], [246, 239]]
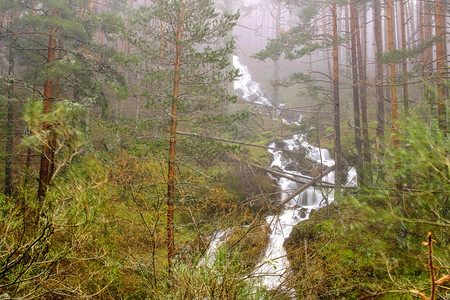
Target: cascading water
[[274, 266], [250, 89], [217, 239]]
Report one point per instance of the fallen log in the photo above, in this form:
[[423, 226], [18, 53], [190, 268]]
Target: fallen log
[[304, 180], [298, 179], [234, 142], [307, 185]]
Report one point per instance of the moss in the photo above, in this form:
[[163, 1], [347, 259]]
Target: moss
[[249, 242], [351, 254]]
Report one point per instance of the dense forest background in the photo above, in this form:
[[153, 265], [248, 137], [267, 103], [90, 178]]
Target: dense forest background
[[126, 147]]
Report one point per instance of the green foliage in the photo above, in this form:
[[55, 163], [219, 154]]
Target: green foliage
[[205, 57], [81, 66], [68, 129], [397, 56], [100, 230], [298, 41], [422, 165], [51, 247], [372, 245], [225, 279]]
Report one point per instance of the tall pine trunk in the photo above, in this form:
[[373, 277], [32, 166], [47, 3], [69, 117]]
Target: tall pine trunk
[[336, 108], [379, 71], [404, 62], [393, 84], [172, 142], [428, 57], [356, 111], [362, 70], [441, 60], [44, 173], [9, 125], [54, 134]]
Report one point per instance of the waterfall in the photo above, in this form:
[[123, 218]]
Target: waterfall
[[250, 89], [217, 239], [274, 266]]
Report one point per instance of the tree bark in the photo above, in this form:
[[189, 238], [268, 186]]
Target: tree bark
[[276, 66], [428, 59], [391, 47], [420, 23], [172, 142], [54, 134], [44, 173], [336, 107], [356, 111], [362, 70], [423, 56], [379, 71], [9, 125], [404, 62], [441, 60]]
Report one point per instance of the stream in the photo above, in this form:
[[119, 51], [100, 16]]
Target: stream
[[273, 269], [275, 265]]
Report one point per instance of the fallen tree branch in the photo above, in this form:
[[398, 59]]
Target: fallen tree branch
[[307, 185], [300, 179], [234, 142], [303, 180]]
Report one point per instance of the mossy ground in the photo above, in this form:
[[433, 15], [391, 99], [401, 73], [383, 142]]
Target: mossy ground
[[349, 251]]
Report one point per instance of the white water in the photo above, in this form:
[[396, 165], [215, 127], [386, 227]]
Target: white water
[[250, 89], [274, 267], [217, 239], [352, 177]]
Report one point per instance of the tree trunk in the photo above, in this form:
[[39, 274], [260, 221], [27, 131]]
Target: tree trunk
[[362, 68], [302, 179], [379, 71], [441, 60], [423, 56], [9, 126], [393, 84], [172, 142], [100, 33], [347, 32], [356, 112], [235, 142], [428, 61], [54, 135], [404, 62], [420, 23], [336, 108], [276, 66], [44, 173], [391, 47]]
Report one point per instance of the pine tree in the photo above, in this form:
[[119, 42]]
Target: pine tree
[[66, 27], [441, 59], [354, 26], [336, 104], [185, 40], [379, 71]]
